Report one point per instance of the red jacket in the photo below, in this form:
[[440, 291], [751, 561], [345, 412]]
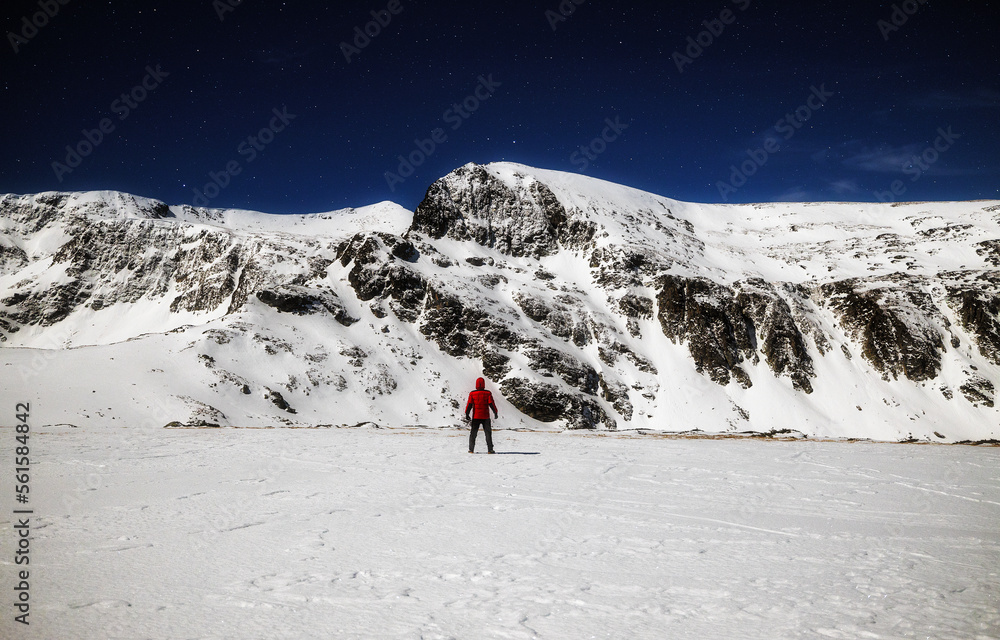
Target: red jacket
[[480, 402]]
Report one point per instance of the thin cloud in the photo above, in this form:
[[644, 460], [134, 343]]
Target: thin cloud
[[845, 187], [982, 99], [279, 57], [795, 194], [881, 159], [898, 159]]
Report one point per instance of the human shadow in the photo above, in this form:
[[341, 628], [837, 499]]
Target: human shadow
[[518, 453]]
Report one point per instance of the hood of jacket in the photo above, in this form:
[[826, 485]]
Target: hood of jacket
[[480, 384]]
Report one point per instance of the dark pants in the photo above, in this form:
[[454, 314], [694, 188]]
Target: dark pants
[[475, 431]]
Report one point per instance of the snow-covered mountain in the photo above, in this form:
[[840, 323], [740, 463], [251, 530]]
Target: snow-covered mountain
[[585, 304]]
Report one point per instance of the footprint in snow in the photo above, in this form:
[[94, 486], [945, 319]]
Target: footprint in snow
[[102, 604]]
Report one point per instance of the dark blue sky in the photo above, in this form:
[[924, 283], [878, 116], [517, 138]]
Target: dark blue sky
[[876, 102]]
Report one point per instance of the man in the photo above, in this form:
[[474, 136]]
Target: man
[[479, 405]]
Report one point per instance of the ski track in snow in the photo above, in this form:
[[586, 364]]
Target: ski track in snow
[[398, 533]]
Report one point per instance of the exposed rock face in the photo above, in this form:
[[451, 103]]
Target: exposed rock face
[[548, 403], [725, 326], [443, 322], [977, 305], [706, 316], [474, 205], [562, 320], [110, 259], [547, 362], [302, 300], [779, 338], [896, 322], [990, 249], [464, 327], [278, 400], [617, 394], [380, 270], [618, 267], [496, 366], [979, 390], [636, 306]]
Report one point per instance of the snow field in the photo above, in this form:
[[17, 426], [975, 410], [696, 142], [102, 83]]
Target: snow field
[[398, 533]]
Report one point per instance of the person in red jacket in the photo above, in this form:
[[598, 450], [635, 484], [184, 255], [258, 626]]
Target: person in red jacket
[[478, 409]]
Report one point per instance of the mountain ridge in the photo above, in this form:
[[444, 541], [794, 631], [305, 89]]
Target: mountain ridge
[[588, 304]]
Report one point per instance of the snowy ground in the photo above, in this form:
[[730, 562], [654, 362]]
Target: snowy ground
[[398, 533]]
